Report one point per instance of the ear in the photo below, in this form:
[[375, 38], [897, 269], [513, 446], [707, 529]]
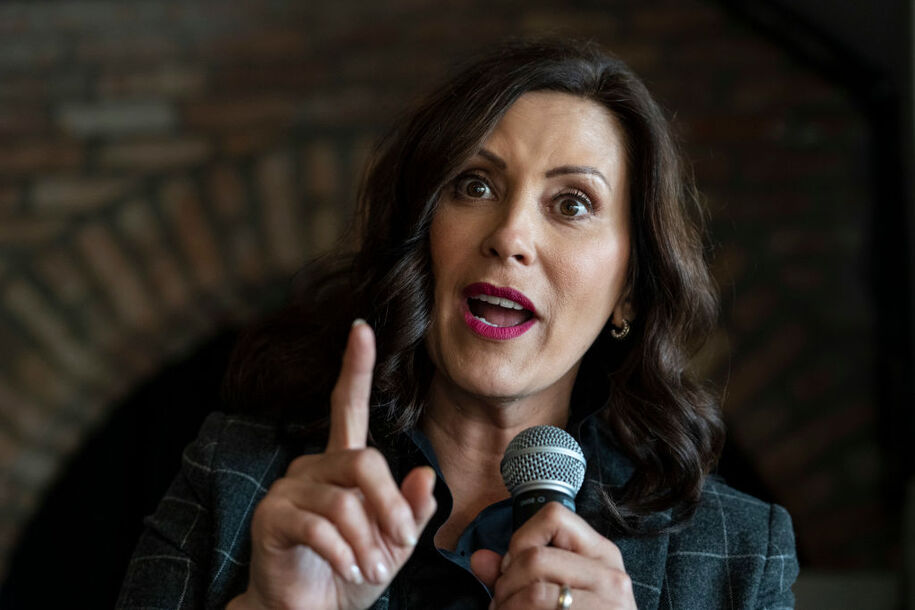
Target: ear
[[624, 310]]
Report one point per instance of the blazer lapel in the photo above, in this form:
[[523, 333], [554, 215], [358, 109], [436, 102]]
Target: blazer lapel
[[644, 558]]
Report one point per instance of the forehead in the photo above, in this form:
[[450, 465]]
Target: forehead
[[558, 128]]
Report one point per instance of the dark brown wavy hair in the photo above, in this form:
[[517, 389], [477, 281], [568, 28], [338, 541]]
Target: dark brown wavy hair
[[665, 421]]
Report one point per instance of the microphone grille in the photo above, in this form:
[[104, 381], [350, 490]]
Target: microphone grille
[[543, 455]]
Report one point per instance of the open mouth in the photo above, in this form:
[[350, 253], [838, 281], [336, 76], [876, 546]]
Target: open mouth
[[498, 312]]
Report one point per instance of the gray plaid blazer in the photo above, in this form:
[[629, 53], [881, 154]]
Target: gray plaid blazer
[[737, 552]]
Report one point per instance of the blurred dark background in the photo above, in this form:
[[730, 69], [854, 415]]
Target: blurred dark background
[[165, 167]]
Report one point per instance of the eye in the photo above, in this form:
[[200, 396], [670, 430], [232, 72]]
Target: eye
[[472, 186], [574, 204]]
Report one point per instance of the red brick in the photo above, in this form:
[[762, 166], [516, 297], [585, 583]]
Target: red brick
[[264, 45], [227, 191], [117, 48], [247, 253], [325, 227], [118, 277], [31, 232], [13, 20], [10, 198], [730, 54], [52, 385], [116, 118], [281, 210], [47, 325], [757, 426], [761, 366], [55, 266], [72, 193], [795, 451], [235, 114], [728, 264], [250, 141], [813, 383], [358, 106], [665, 22], [321, 169], [182, 205], [779, 95], [155, 154], [282, 78], [829, 531], [38, 88], [10, 444], [170, 81], [33, 464], [30, 156], [580, 24], [752, 307], [787, 166], [724, 129], [30, 52], [136, 221], [811, 492], [15, 404], [20, 121]]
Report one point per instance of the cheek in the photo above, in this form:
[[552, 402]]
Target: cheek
[[445, 247], [599, 279]]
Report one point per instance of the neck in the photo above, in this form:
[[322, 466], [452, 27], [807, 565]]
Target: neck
[[469, 435], [476, 427]]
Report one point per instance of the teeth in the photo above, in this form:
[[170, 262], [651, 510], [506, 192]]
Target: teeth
[[487, 322], [498, 301]]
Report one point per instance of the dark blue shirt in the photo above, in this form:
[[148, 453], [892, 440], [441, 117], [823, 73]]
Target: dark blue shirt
[[433, 574]]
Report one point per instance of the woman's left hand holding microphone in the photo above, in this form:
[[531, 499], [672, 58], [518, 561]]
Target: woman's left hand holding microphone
[[335, 530], [554, 549]]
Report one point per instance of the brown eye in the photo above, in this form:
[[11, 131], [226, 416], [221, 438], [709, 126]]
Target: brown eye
[[573, 207], [477, 189], [473, 187]]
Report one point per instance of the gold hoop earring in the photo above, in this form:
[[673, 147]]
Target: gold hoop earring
[[620, 333]]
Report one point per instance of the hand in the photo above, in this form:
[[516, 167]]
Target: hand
[[556, 547], [333, 532]]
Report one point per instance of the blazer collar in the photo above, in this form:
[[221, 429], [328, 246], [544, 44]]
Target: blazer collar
[[644, 557]]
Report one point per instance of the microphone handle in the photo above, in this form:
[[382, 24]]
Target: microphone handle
[[525, 504]]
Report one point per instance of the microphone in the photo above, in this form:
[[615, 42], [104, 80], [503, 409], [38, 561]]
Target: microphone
[[542, 464]]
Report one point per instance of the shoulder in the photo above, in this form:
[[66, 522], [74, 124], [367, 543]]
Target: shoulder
[[243, 446], [740, 546], [234, 461], [728, 520]]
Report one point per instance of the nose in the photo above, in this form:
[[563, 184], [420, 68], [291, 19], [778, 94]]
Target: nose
[[512, 235]]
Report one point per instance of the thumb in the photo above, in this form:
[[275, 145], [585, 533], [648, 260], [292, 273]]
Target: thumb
[[486, 566], [417, 489]]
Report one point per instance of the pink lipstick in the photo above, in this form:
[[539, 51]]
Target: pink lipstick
[[498, 313]]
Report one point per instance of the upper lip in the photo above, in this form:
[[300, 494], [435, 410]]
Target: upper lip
[[504, 292]]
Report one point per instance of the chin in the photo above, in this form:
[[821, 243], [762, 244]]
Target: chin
[[489, 384]]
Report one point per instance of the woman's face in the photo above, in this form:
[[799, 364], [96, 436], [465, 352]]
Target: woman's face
[[530, 249]]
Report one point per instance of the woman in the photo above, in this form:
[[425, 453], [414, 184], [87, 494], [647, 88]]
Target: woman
[[531, 253]]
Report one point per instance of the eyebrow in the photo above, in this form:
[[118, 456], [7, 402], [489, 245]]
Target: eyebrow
[[556, 171]]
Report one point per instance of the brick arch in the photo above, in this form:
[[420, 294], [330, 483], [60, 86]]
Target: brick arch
[[169, 166]]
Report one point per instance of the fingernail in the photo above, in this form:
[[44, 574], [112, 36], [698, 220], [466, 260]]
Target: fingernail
[[405, 529], [407, 536], [355, 575], [381, 573], [505, 562], [358, 321]]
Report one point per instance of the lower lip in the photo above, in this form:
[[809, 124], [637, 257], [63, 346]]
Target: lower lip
[[499, 333]]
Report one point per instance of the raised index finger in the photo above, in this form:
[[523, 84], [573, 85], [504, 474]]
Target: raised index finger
[[349, 401]]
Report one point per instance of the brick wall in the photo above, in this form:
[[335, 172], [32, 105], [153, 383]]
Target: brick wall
[[164, 167]]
